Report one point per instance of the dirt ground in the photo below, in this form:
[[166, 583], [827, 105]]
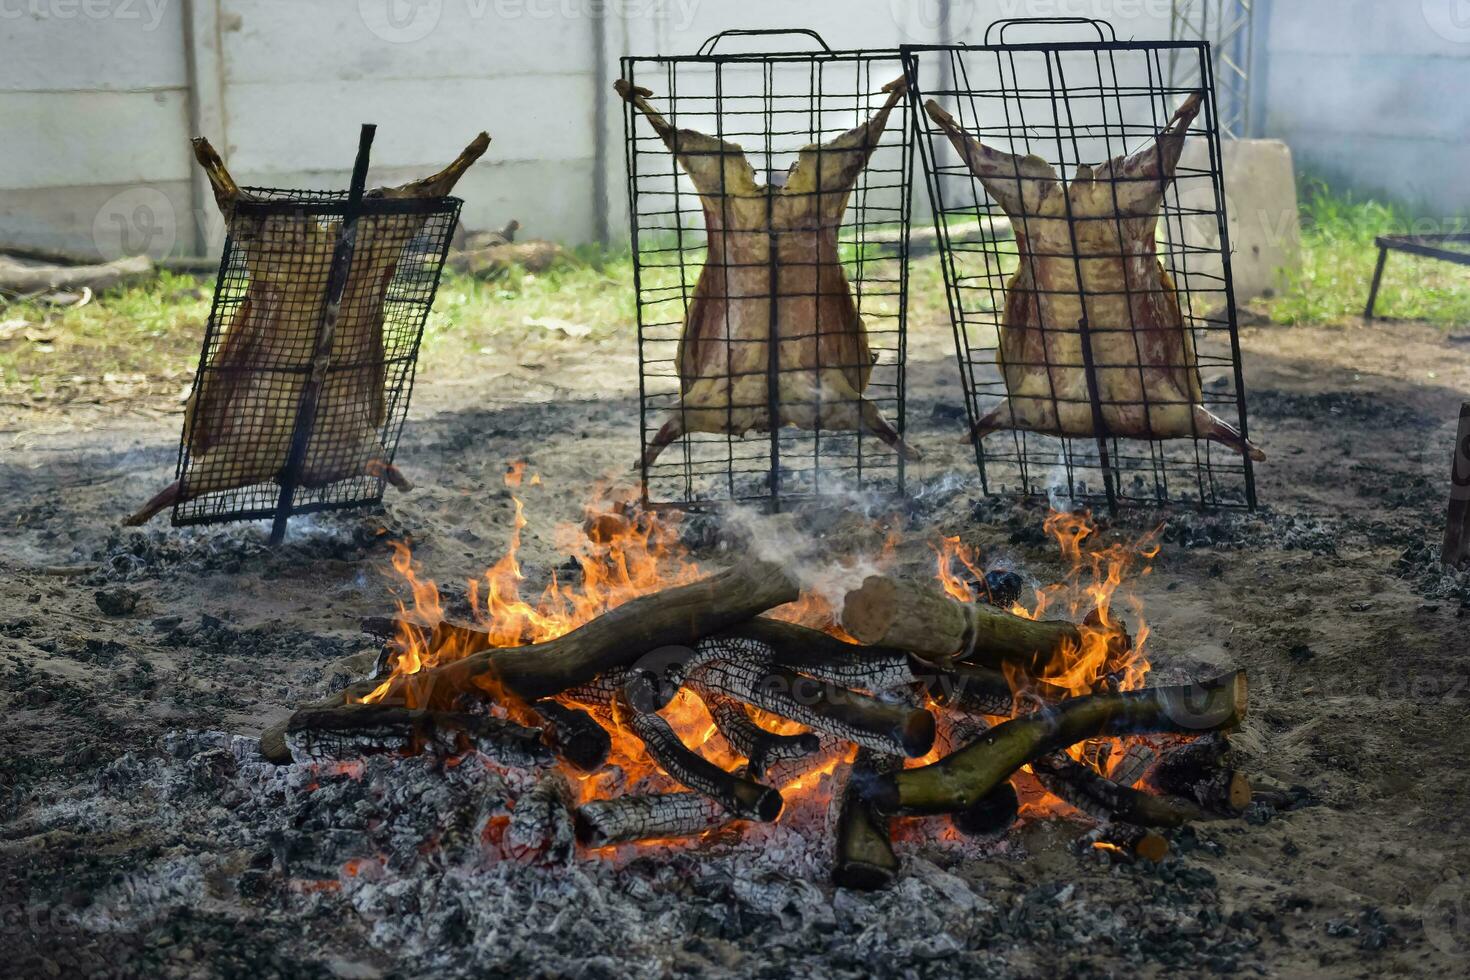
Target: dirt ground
[[1357, 648]]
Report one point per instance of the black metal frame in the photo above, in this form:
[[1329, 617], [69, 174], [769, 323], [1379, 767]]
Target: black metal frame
[[746, 97], [1424, 246], [993, 87], [296, 379]]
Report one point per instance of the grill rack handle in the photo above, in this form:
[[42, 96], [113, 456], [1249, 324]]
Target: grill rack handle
[[1098, 25], [708, 47]]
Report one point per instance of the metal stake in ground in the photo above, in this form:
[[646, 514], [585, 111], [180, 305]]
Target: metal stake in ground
[[321, 357], [1457, 530]]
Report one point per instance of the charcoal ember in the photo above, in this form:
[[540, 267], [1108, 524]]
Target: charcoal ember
[[1003, 587], [117, 600], [541, 823], [212, 770]]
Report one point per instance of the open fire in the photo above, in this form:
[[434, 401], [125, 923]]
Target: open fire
[[661, 702]]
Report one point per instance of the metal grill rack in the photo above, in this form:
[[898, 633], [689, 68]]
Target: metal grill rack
[[722, 254], [1077, 104], [310, 351]]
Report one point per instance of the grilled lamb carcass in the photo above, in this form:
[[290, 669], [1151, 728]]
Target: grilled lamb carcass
[[1147, 375], [240, 418], [723, 357]]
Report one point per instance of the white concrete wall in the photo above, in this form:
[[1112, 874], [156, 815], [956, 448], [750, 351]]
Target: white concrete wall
[[1372, 94], [99, 97], [93, 124], [96, 107]]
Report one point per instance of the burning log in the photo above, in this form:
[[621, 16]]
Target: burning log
[[1199, 771], [981, 689], [743, 671], [679, 615], [1128, 841], [760, 747], [649, 816], [740, 797], [574, 735], [1136, 760], [352, 731], [992, 816], [929, 624], [865, 858], [958, 781], [541, 823], [1107, 801]]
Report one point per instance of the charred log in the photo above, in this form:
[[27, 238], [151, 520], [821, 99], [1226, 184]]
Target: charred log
[[1106, 801], [865, 858], [541, 823], [990, 818], [759, 746], [980, 689], [962, 779], [1200, 771], [574, 735], [825, 657], [740, 797], [742, 671], [651, 816], [349, 732]]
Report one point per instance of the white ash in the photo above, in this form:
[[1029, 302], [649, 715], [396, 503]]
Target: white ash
[[408, 856]]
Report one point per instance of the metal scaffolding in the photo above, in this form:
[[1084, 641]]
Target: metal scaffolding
[[1227, 26]]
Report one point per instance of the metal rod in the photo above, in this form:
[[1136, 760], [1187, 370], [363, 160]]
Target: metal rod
[[321, 357]]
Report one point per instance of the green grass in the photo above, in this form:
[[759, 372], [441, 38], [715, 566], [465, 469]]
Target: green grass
[[1338, 256], [155, 328]]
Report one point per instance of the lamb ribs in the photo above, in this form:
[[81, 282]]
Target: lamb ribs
[[724, 361], [240, 420], [1089, 267]]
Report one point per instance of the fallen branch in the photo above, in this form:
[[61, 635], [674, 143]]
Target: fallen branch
[[992, 816], [962, 779], [26, 278]]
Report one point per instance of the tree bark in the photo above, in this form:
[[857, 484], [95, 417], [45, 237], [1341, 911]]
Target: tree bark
[[1106, 801]]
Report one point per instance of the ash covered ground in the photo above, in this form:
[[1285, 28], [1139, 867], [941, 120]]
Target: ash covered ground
[[141, 835]]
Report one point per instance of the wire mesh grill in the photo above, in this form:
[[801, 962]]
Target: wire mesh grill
[[1087, 363], [258, 351], [769, 196]]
